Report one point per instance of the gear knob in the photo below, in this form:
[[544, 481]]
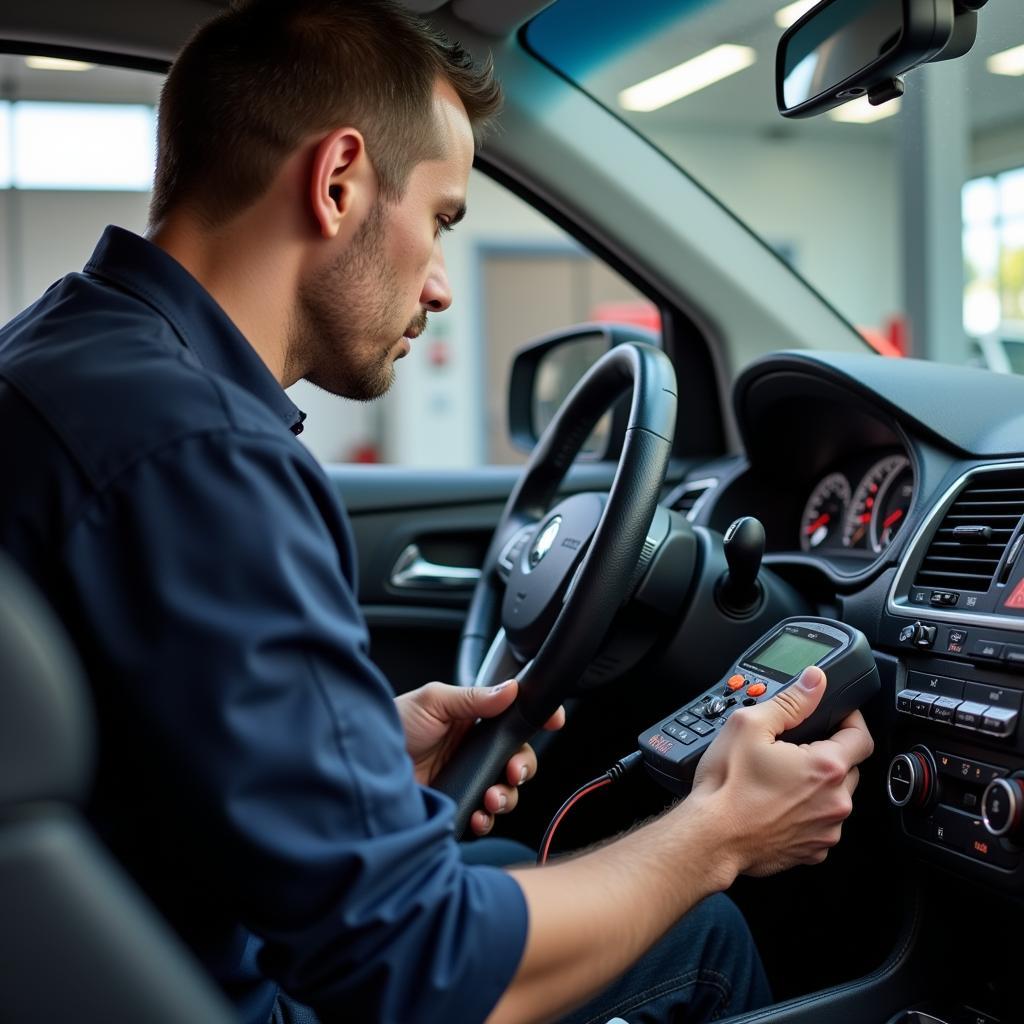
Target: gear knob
[[739, 590]]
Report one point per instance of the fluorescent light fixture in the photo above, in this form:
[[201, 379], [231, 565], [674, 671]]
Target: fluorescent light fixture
[[786, 16], [1009, 62], [57, 64], [686, 78], [860, 111]]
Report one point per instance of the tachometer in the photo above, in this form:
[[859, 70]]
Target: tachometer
[[879, 504], [824, 512]]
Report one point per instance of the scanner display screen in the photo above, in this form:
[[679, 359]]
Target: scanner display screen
[[789, 654]]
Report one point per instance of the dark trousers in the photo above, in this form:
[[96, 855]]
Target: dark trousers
[[705, 969]]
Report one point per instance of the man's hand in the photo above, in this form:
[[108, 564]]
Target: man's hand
[[437, 716], [781, 803]]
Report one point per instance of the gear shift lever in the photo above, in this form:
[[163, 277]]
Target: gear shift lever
[[739, 591]]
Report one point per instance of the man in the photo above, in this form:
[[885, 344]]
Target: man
[[256, 774]]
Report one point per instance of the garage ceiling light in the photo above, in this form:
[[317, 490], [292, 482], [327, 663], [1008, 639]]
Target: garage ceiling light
[[1009, 62], [686, 78], [862, 112], [786, 16], [57, 64]]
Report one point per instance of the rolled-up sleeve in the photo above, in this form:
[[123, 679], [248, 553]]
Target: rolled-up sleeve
[[215, 581]]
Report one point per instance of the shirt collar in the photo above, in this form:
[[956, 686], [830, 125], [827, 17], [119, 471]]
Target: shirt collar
[[152, 275]]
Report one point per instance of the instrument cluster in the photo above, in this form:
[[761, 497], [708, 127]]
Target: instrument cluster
[[858, 509]]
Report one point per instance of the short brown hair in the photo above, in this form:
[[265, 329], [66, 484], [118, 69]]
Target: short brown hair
[[254, 82]]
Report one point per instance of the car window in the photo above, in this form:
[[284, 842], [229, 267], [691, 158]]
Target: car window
[[76, 153], [908, 217]]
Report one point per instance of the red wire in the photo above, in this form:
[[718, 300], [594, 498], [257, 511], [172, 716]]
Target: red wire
[[566, 807]]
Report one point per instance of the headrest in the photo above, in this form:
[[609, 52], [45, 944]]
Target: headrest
[[46, 727]]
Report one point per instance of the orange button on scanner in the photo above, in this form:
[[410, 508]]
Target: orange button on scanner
[[756, 689], [735, 682]]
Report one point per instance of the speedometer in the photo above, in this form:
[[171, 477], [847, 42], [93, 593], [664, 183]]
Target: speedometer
[[824, 512], [879, 504]]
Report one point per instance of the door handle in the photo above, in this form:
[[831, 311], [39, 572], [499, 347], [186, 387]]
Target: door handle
[[412, 571]]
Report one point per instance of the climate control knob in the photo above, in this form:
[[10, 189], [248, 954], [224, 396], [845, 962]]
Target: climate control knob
[[1002, 806], [910, 780]]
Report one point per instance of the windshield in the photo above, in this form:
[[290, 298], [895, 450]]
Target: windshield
[[907, 217]]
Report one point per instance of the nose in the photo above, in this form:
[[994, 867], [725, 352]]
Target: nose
[[437, 293]]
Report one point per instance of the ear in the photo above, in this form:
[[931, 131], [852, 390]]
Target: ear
[[341, 182]]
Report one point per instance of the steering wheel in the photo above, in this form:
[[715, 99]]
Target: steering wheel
[[554, 578]]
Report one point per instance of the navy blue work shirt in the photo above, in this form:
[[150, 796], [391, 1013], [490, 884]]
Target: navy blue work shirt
[[252, 767]]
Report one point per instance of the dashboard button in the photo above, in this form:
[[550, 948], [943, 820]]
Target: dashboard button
[[735, 682], [703, 728], [756, 690], [926, 636], [944, 708], [994, 696], [686, 718], [904, 700], [922, 705], [968, 715], [986, 649], [941, 686], [999, 722], [1013, 654]]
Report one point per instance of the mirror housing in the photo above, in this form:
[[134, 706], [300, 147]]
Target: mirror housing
[[546, 370], [843, 49]]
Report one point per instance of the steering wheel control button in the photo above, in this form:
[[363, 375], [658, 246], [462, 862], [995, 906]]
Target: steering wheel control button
[[986, 649], [905, 700], [968, 715], [944, 709], [1002, 807], [735, 682], [998, 722], [757, 690], [680, 733], [921, 706], [994, 696], [941, 686], [686, 718]]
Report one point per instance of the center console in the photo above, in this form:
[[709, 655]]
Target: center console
[[955, 618]]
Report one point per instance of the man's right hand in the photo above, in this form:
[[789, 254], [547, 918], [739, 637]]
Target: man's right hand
[[778, 803]]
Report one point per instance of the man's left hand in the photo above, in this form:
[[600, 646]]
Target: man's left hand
[[437, 716]]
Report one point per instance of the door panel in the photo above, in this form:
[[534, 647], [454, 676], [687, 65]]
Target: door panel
[[450, 516]]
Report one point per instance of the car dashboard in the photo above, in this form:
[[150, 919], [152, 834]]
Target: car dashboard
[[893, 492]]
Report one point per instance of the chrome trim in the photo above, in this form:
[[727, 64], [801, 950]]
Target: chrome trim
[[705, 486], [1013, 795], [912, 549], [412, 571], [915, 778]]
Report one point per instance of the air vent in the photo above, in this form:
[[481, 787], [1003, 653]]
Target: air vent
[[688, 494], [965, 551]]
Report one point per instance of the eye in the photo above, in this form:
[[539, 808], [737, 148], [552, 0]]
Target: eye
[[442, 225]]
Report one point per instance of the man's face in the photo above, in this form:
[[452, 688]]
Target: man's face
[[359, 314]]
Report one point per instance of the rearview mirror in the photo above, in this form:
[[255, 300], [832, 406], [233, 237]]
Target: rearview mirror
[[843, 49]]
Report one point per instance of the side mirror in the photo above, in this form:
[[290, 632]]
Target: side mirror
[[843, 49], [546, 370]]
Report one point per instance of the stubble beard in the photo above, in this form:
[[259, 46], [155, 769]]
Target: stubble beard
[[342, 310]]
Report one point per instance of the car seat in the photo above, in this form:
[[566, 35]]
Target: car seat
[[78, 941]]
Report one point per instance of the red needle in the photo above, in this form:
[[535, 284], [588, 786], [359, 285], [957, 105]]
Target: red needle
[[820, 521], [890, 519]]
